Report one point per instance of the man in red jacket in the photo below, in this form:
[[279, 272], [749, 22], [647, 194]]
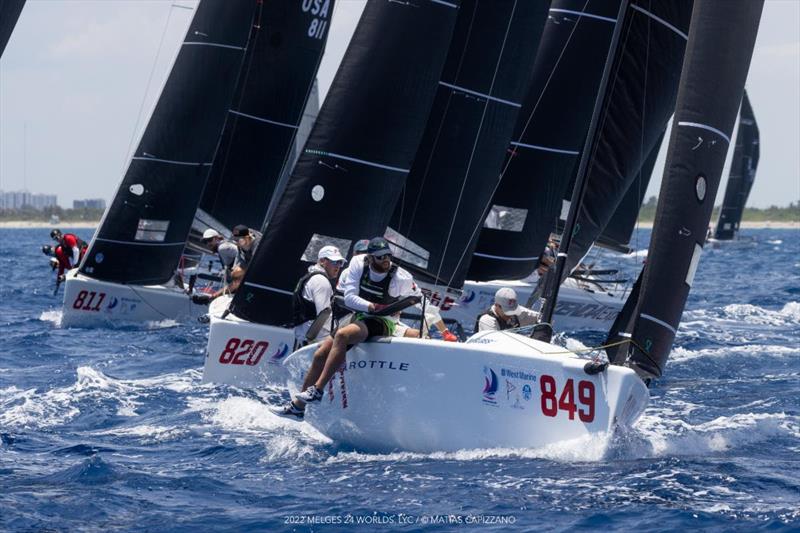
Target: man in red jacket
[[71, 245]]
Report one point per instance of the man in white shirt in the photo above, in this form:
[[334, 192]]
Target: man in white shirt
[[506, 313], [313, 294], [372, 283]]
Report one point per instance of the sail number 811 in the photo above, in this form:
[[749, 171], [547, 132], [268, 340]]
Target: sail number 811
[[552, 402]]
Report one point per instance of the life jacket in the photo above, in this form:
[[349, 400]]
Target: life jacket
[[376, 292], [80, 243], [304, 310], [512, 323]]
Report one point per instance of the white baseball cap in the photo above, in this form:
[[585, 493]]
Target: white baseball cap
[[506, 298], [210, 234], [331, 253]]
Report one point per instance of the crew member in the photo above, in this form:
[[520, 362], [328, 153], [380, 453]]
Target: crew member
[[247, 241], [226, 251], [59, 259], [314, 292], [70, 244], [372, 283], [505, 313]]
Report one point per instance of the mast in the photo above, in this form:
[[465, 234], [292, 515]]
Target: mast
[[551, 292], [487, 74], [742, 174], [144, 230], [9, 14], [360, 150], [718, 53], [283, 55]]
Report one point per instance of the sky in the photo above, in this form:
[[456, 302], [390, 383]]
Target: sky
[[79, 79]]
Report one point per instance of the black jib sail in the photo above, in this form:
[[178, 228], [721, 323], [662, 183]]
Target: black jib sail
[[742, 175], [548, 138], [718, 54], [639, 103], [345, 184], [282, 58], [144, 230], [487, 74], [9, 13]]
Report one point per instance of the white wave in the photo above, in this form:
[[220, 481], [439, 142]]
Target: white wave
[[53, 315], [791, 310], [679, 354], [147, 433], [775, 241], [161, 324], [754, 314], [669, 436], [637, 254]]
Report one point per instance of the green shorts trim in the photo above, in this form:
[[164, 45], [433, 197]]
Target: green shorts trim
[[388, 323]]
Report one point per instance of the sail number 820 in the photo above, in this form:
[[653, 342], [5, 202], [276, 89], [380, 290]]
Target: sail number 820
[[552, 402]]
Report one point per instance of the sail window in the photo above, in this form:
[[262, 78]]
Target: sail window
[[318, 193], [151, 230], [407, 250], [700, 187], [137, 189], [318, 241], [693, 265], [506, 218]]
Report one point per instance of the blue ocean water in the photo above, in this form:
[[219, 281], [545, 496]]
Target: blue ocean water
[[103, 429]]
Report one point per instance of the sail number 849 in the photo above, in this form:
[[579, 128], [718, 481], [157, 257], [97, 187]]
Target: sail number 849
[[552, 402]]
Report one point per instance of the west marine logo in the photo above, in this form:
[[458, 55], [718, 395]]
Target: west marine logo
[[283, 349], [490, 384], [467, 296], [113, 303]]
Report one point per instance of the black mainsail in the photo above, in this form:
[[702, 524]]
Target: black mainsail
[[742, 175], [9, 14], [548, 138], [718, 53], [486, 76], [344, 186], [280, 66], [144, 230]]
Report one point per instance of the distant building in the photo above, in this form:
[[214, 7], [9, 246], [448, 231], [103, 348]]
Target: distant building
[[90, 203], [23, 199]]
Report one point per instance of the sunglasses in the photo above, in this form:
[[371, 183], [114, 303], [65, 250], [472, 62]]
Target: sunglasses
[[381, 257]]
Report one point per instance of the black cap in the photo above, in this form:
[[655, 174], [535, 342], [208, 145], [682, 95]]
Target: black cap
[[241, 231], [378, 246], [55, 234]]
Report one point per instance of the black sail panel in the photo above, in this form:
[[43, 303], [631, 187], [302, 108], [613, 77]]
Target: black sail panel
[[718, 54], [548, 138], [143, 232], [639, 103], [617, 233], [742, 175], [486, 76], [9, 14], [282, 58], [344, 186]]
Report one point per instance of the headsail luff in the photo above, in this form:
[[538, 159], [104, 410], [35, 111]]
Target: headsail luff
[[718, 54], [487, 74], [345, 184], [742, 175], [279, 70], [142, 235], [548, 137], [9, 14]]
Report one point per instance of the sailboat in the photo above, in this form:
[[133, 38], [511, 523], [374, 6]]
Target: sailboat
[[742, 174], [504, 389], [344, 184], [10, 11], [233, 57]]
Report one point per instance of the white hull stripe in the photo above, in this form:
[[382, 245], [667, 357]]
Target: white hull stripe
[[196, 43], [476, 93], [271, 289], [448, 4], [659, 322], [170, 162], [504, 258], [545, 148], [583, 14], [259, 119], [143, 243], [705, 127], [662, 21], [354, 160]]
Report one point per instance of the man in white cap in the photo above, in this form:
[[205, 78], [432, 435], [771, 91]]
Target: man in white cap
[[226, 251], [313, 294], [506, 313]]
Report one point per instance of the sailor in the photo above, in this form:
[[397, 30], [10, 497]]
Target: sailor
[[59, 259], [506, 313], [313, 294], [246, 241], [226, 251], [70, 244], [372, 283]]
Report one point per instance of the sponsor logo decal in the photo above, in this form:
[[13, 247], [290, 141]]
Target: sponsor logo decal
[[467, 296], [526, 392], [592, 311], [113, 303], [280, 353], [490, 384], [385, 365], [517, 374]]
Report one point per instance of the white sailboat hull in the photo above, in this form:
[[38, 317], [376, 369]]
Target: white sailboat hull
[[498, 390], [89, 302], [243, 353], [578, 309]]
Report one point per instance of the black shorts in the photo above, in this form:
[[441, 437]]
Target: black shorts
[[375, 327]]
